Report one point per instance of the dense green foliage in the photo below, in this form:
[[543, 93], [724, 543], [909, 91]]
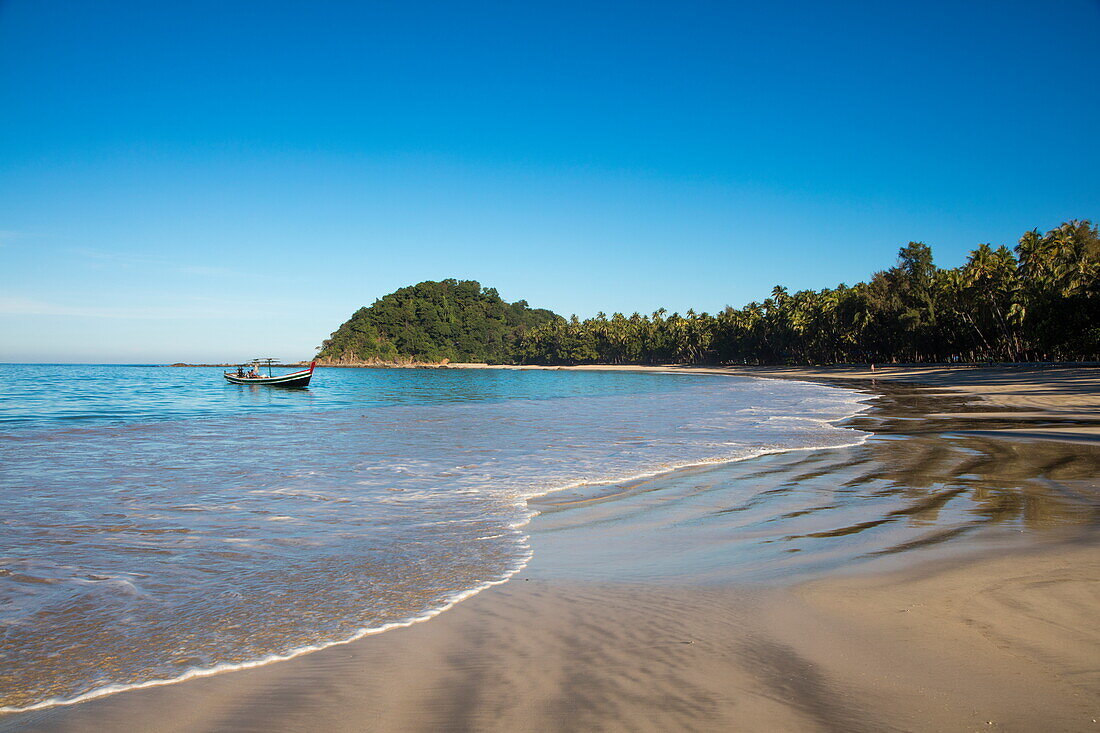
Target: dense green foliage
[[457, 320], [1040, 303]]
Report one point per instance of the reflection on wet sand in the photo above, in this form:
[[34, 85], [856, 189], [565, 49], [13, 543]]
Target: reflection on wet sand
[[921, 481]]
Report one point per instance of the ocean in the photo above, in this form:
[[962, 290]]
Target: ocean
[[159, 523]]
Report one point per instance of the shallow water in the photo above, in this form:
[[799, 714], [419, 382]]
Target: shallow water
[[158, 522], [80, 395]]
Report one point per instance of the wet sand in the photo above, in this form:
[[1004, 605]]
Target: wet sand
[[945, 575]]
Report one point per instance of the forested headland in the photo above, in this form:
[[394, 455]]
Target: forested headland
[[452, 320], [1039, 301]]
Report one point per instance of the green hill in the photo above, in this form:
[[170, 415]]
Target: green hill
[[457, 320]]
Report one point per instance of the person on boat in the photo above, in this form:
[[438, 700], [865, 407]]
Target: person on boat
[[255, 373], [240, 370]]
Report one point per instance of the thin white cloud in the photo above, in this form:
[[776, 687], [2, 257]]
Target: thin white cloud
[[30, 307], [206, 271], [127, 260], [101, 256]]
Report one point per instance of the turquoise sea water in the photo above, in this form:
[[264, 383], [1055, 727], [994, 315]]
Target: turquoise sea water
[[60, 395], [157, 523]]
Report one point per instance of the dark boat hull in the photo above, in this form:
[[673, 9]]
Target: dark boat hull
[[296, 379]]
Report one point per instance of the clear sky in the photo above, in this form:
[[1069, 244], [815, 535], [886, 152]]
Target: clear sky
[[212, 180]]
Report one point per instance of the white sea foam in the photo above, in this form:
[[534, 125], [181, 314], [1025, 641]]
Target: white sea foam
[[404, 623], [271, 658]]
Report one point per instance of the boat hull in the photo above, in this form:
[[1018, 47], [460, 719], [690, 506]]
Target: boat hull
[[296, 379]]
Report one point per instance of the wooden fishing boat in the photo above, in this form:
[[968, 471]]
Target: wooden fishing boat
[[294, 379]]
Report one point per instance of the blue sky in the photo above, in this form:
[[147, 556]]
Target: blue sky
[[208, 181]]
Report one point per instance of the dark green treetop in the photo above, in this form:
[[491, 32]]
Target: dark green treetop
[[456, 320]]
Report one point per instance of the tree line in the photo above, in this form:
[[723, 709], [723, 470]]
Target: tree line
[[1038, 302]]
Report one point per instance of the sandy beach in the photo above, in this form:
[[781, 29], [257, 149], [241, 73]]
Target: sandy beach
[[944, 575]]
